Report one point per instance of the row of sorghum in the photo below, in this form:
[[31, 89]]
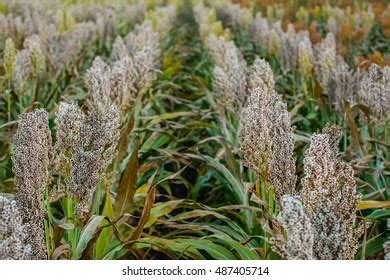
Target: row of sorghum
[[233, 15], [370, 88], [358, 22], [296, 52], [27, 18], [206, 19], [265, 133], [230, 67], [47, 51], [342, 23], [85, 143], [135, 60], [84, 148], [234, 80], [294, 49], [320, 223], [324, 226], [52, 40]]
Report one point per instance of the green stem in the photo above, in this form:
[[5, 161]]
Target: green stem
[[69, 213], [47, 225]]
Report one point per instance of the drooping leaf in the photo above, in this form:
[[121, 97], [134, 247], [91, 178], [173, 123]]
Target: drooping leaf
[[145, 216], [126, 188], [235, 186]]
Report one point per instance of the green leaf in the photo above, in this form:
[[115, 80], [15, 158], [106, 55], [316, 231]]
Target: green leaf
[[168, 246], [117, 250], [155, 141], [373, 246], [235, 185], [379, 213], [232, 163], [195, 214], [103, 242], [215, 251], [161, 209], [312, 115], [87, 234], [244, 252], [124, 140], [62, 224], [167, 116]]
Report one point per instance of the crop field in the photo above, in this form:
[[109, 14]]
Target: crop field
[[169, 129]]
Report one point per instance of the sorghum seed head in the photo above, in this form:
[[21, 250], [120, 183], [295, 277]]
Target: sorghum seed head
[[305, 57], [329, 196], [119, 49], [374, 92], [343, 85], [98, 83], [38, 60], [325, 59], [221, 84], [22, 71], [69, 119], [31, 162], [228, 58], [9, 58], [93, 153], [260, 75], [13, 233], [299, 240], [266, 140]]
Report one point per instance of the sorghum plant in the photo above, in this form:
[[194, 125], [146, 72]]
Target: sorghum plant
[[230, 72], [326, 217], [266, 140], [374, 92], [330, 198]]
